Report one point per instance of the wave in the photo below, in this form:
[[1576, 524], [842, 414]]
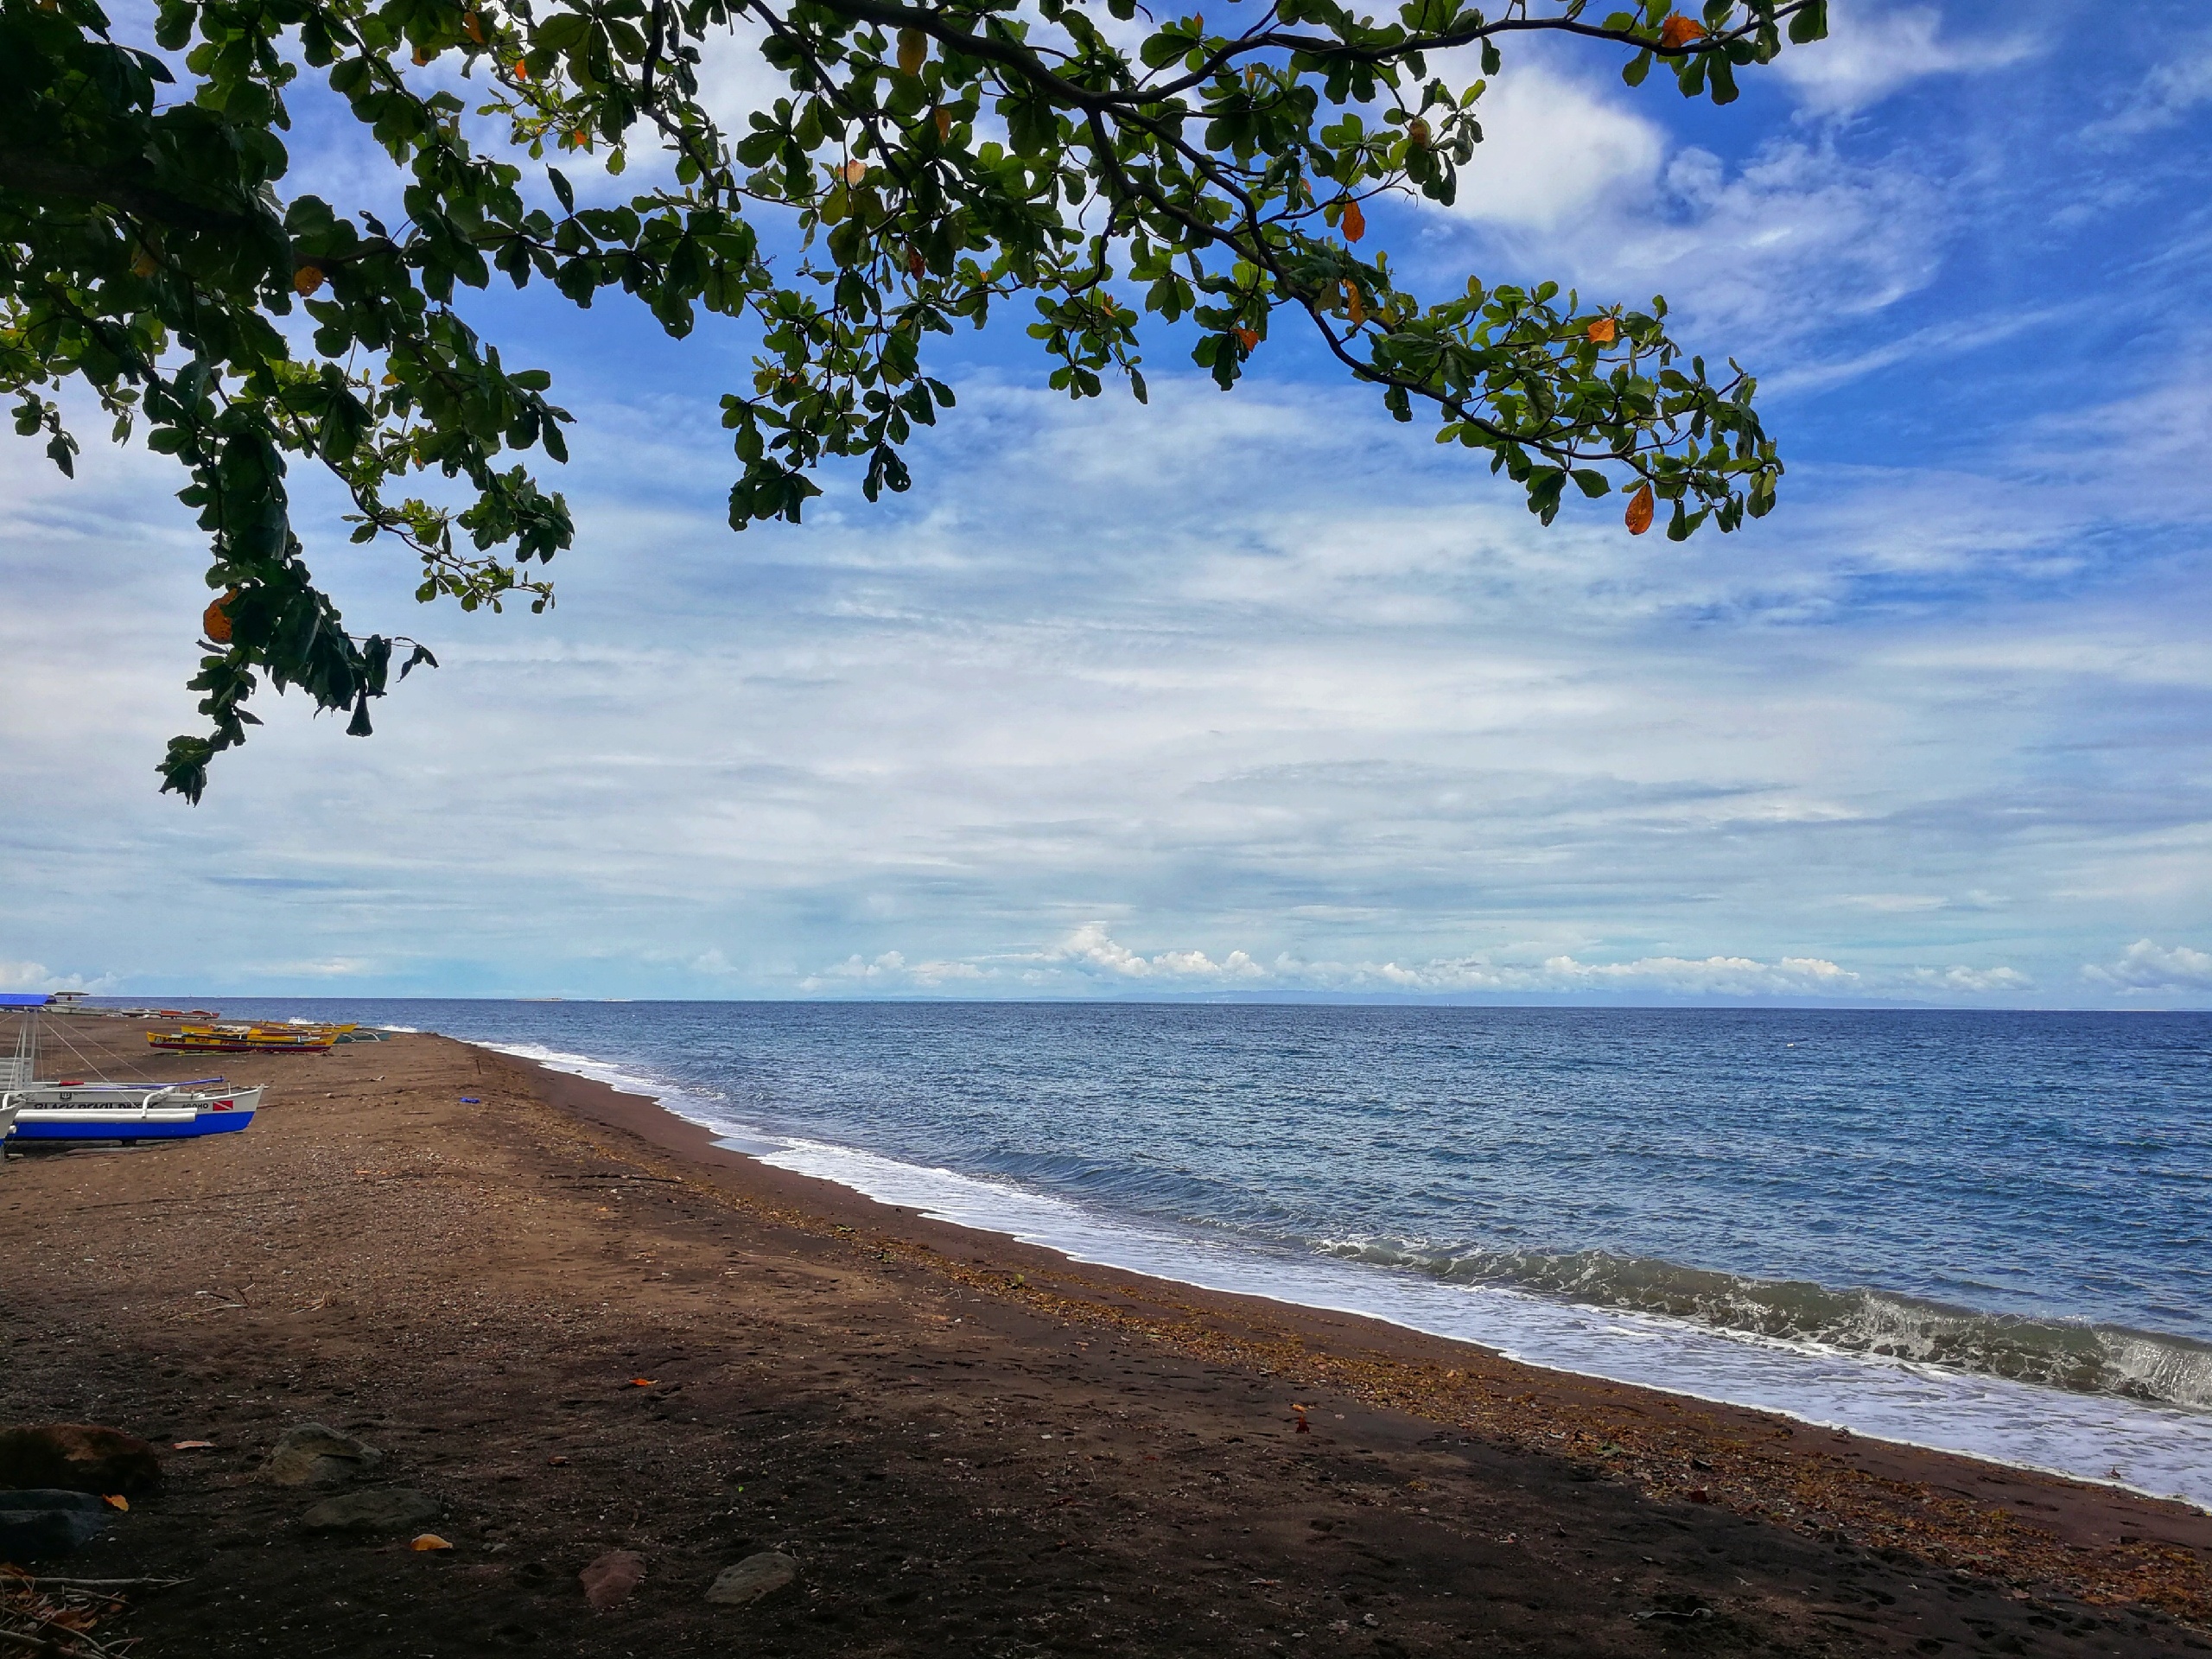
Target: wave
[[2080, 1357]]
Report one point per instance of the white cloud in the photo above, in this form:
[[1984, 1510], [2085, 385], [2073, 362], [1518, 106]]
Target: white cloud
[[1872, 51], [2175, 87], [1553, 147], [2145, 966], [1971, 982], [37, 976]]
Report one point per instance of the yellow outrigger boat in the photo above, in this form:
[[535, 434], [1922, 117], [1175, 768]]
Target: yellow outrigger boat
[[250, 1040]]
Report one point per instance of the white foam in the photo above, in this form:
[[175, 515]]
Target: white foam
[[2145, 1448]]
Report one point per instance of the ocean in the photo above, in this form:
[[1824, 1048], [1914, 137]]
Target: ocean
[[1988, 1232]]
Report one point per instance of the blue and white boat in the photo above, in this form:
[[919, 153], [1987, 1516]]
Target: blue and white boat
[[78, 1109]]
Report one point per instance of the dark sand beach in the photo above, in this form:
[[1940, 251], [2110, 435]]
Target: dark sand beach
[[577, 1327]]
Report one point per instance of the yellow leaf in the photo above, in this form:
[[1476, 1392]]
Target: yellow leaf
[[913, 51], [943, 124], [1605, 331], [1354, 221], [1417, 132], [1679, 31], [430, 1540], [853, 172], [1355, 304], [1639, 510], [142, 264], [306, 279], [117, 1500]]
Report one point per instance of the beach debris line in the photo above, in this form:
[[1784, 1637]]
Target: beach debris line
[[57, 1615]]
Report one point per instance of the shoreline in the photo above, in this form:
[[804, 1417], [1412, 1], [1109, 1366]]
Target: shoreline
[[1871, 1396], [573, 1325], [1854, 1487]]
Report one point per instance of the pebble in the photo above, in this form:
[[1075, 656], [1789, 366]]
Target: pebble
[[310, 1454], [385, 1509], [753, 1578]]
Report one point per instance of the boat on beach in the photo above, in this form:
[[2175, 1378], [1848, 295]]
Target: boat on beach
[[250, 1039], [77, 1109]]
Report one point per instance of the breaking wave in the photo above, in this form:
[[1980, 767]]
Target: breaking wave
[[2080, 1357]]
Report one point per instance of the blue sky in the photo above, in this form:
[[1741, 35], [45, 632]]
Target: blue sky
[[1259, 694]]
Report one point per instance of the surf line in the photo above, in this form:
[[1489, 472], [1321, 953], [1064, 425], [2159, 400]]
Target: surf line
[[2101, 1438]]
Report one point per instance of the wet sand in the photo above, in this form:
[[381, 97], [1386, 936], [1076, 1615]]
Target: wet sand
[[579, 1325]]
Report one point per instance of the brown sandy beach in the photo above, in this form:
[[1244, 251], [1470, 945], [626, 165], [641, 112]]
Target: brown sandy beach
[[577, 1327]]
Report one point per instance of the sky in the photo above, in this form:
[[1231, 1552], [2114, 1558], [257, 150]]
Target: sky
[[1259, 695]]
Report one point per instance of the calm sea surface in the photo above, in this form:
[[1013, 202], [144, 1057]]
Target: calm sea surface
[[2002, 1214]]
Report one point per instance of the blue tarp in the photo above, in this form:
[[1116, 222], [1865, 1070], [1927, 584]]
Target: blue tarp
[[20, 1000]]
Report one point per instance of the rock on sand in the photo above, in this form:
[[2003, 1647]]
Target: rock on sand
[[753, 1578], [310, 1455], [78, 1458], [386, 1509], [49, 1521]]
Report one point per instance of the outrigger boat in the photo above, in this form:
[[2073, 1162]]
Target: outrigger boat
[[75, 1110], [250, 1040]]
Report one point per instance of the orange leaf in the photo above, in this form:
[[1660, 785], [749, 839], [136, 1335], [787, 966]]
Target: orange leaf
[[215, 623], [306, 279], [1639, 510], [474, 25], [115, 1500], [421, 57], [195, 1445], [641, 1383], [915, 264], [522, 70], [943, 124], [430, 1541], [1354, 222], [1417, 132], [853, 172], [1679, 31], [1248, 338], [1605, 331]]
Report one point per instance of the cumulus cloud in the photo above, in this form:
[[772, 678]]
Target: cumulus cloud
[[1553, 147], [37, 976], [2148, 967]]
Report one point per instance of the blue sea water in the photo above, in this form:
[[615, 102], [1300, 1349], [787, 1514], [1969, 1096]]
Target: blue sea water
[[1991, 1231]]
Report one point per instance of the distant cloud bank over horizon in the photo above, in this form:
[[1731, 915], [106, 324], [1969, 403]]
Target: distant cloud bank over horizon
[[1262, 695]]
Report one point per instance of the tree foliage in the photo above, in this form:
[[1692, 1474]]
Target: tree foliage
[[930, 161]]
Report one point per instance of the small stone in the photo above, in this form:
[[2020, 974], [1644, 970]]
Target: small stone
[[49, 1521], [753, 1578], [78, 1458], [386, 1508], [310, 1454], [610, 1578]]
